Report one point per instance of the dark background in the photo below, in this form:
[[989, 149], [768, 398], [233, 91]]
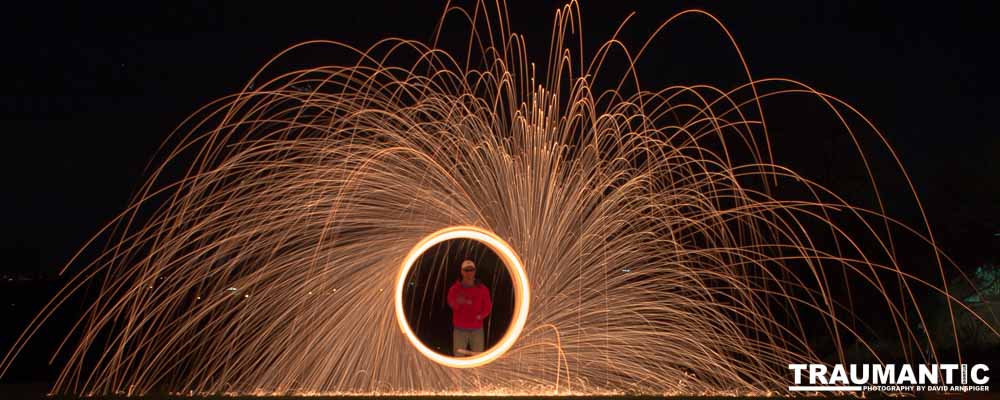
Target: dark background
[[89, 92]]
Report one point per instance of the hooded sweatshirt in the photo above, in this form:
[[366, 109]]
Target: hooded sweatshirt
[[467, 303]]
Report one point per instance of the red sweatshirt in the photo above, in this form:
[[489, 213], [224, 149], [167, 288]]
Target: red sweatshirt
[[468, 303]]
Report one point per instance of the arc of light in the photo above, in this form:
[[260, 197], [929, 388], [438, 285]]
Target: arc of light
[[522, 294]]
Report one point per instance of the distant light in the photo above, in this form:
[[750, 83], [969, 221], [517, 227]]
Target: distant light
[[996, 234], [232, 289], [198, 298], [626, 270], [310, 293], [246, 296]]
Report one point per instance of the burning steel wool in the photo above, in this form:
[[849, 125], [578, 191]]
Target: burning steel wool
[[659, 256]]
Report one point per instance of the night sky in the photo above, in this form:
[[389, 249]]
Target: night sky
[[88, 93]]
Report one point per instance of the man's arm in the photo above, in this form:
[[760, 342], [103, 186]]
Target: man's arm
[[453, 297], [487, 304]]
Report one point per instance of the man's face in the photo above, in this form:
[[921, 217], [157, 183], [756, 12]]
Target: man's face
[[468, 272]]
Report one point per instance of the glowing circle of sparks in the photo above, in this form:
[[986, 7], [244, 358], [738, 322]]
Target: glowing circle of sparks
[[522, 294]]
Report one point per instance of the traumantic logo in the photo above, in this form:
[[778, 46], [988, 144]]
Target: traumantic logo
[[890, 377]]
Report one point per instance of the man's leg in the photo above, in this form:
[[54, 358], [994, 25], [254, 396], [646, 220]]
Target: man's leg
[[478, 340], [459, 341]]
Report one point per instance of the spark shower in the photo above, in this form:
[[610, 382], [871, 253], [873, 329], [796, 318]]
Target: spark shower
[[660, 257]]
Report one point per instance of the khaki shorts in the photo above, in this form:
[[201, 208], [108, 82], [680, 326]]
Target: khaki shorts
[[462, 339]]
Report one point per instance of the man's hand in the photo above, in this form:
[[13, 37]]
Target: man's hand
[[479, 317]]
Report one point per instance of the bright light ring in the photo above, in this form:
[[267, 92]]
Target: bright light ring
[[522, 294]]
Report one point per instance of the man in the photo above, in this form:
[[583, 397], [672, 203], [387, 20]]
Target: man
[[470, 303]]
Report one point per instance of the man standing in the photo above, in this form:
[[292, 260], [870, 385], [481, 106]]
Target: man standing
[[470, 303]]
